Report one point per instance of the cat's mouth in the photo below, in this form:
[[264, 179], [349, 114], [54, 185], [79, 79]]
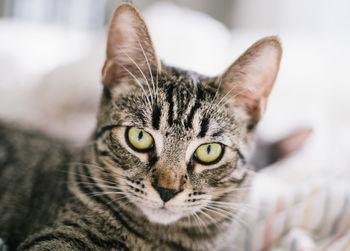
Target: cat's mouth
[[161, 215]]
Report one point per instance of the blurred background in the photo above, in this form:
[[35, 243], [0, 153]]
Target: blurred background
[[52, 51], [312, 16]]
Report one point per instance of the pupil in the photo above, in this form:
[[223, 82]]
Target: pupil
[[209, 149], [139, 137]]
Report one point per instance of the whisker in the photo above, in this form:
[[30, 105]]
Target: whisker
[[139, 83], [228, 215], [149, 67], [138, 67], [100, 185], [215, 96], [209, 217], [217, 91], [118, 199], [100, 169], [94, 178], [223, 208], [194, 217], [218, 213], [94, 194], [241, 221], [200, 222], [234, 87], [157, 85], [235, 95], [224, 203]]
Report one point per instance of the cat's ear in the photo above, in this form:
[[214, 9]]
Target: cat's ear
[[130, 51], [251, 77]]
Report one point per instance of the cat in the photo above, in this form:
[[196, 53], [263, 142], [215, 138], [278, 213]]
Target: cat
[[166, 168]]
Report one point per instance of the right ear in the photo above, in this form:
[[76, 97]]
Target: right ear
[[252, 76], [130, 51]]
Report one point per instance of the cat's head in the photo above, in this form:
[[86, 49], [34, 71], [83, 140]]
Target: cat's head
[[175, 141]]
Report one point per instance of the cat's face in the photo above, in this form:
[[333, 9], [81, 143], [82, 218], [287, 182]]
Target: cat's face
[[174, 141], [180, 151]]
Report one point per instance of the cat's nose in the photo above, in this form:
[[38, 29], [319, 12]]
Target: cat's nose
[[167, 183], [165, 193]]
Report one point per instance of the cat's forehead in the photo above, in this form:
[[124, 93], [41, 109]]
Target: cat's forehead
[[180, 105]]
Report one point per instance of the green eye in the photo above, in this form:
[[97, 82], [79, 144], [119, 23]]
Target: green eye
[[139, 139], [209, 153]]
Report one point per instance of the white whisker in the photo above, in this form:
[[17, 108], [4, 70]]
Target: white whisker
[[240, 205], [223, 208], [94, 178], [139, 83], [218, 213], [138, 67], [229, 98], [196, 219], [234, 87], [149, 67], [118, 199], [209, 217], [94, 194], [215, 96], [100, 185], [157, 85]]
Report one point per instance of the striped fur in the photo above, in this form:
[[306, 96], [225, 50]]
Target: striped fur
[[66, 195], [106, 195]]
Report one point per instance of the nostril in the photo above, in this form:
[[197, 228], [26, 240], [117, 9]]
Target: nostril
[[165, 193]]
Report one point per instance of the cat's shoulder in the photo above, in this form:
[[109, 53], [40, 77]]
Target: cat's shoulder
[[24, 143], [13, 132]]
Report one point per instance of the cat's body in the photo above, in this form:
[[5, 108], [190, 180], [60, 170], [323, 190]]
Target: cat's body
[[35, 194], [49, 188], [166, 167], [33, 170]]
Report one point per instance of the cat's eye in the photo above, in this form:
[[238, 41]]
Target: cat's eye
[[209, 153], [139, 139]]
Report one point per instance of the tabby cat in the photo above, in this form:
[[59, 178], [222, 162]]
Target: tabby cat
[[166, 167]]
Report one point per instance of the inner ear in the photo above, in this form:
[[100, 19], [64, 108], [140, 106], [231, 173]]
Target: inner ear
[[249, 80], [130, 51]]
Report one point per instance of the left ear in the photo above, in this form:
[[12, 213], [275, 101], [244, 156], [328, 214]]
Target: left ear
[[130, 51], [252, 75]]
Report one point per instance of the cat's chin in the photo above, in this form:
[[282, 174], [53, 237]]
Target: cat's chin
[[161, 215]]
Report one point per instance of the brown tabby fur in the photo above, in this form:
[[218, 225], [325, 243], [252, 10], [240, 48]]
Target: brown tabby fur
[[106, 195]]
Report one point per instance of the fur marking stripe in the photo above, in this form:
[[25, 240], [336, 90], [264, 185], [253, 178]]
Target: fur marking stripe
[[171, 105], [156, 117], [81, 245], [95, 239], [188, 123], [102, 200], [204, 127]]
